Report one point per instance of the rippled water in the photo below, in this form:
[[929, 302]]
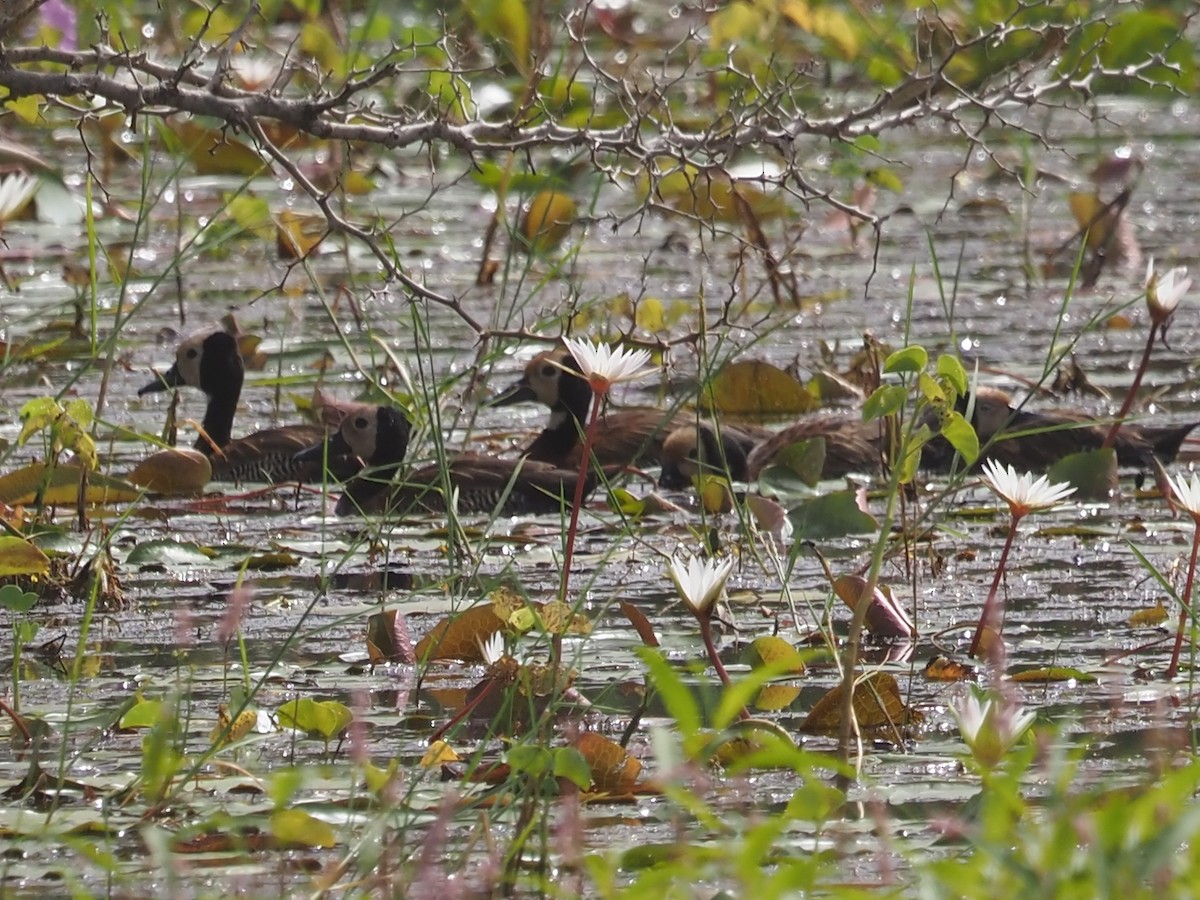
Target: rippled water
[[1071, 584]]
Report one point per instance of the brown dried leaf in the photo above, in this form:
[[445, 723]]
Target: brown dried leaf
[[613, 770], [461, 636], [640, 623], [877, 706]]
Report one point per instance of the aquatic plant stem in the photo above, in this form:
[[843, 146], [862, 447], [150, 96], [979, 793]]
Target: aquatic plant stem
[[714, 657], [1186, 601], [585, 463], [1111, 437], [991, 613]]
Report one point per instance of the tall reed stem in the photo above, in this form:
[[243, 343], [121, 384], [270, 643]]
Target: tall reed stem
[[990, 605], [1111, 437], [1173, 668], [585, 463]]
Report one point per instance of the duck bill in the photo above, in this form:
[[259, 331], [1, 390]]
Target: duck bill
[[334, 445], [164, 382], [520, 392]]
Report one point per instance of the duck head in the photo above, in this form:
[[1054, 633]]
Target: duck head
[[694, 449], [210, 361], [553, 379]]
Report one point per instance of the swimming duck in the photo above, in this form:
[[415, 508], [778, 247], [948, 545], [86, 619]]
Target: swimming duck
[[851, 445], [695, 448], [628, 436], [212, 362], [379, 435], [1032, 440]]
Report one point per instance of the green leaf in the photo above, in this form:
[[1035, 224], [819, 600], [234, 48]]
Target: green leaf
[[1093, 473], [805, 458], [831, 516], [532, 760], [931, 390], [951, 369], [36, 415], [961, 435], [887, 400], [677, 698], [167, 552], [620, 500], [909, 359], [569, 763], [322, 719], [143, 714], [296, 828], [16, 600]]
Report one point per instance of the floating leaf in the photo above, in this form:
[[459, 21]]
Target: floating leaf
[[20, 488], [805, 458], [830, 516], [324, 719], [774, 697], [942, 668], [168, 552], [1051, 674], [227, 731], [772, 650], [877, 707], [612, 768], [1093, 473], [296, 828], [143, 714], [297, 235], [174, 471], [715, 492], [18, 557], [438, 754], [753, 388], [213, 152], [1148, 618], [547, 221], [462, 635], [569, 763]]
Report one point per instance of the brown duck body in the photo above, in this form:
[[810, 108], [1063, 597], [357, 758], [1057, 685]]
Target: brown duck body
[[483, 484], [212, 362], [851, 445], [1036, 440], [625, 437], [703, 447]]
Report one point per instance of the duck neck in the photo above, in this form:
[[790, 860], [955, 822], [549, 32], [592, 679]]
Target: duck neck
[[568, 419], [218, 419]]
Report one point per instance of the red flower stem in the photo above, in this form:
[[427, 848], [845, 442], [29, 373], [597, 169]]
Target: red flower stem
[[992, 613], [585, 462], [1173, 668], [714, 657], [1111, 437]]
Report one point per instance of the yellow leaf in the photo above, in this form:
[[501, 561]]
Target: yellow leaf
[[651, 316], [773, 650], [213, 152], [716, 493], [1148, 618], [736, 23], [508, 22], [757, 389], [547, 221], [297, 235], [20, 488], [439, 752], [19, 557], [1090, 216], [176, 471], [836, 28], [296, 828], [28, 108], [799, 13]]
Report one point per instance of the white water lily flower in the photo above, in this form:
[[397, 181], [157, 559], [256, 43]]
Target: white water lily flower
[[15, 193], [1163, 293], [493, 648], [990, 727], [605, 366], [1187, 493], [1022, 491], [699, 581]]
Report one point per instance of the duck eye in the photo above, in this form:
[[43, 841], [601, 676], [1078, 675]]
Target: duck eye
[[192, 353], [694, 453], [549, 371], [360, 422]]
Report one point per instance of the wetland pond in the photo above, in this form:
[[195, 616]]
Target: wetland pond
[[1072, 582]]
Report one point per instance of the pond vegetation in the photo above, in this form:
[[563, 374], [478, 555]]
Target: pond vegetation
[[707, 449]]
